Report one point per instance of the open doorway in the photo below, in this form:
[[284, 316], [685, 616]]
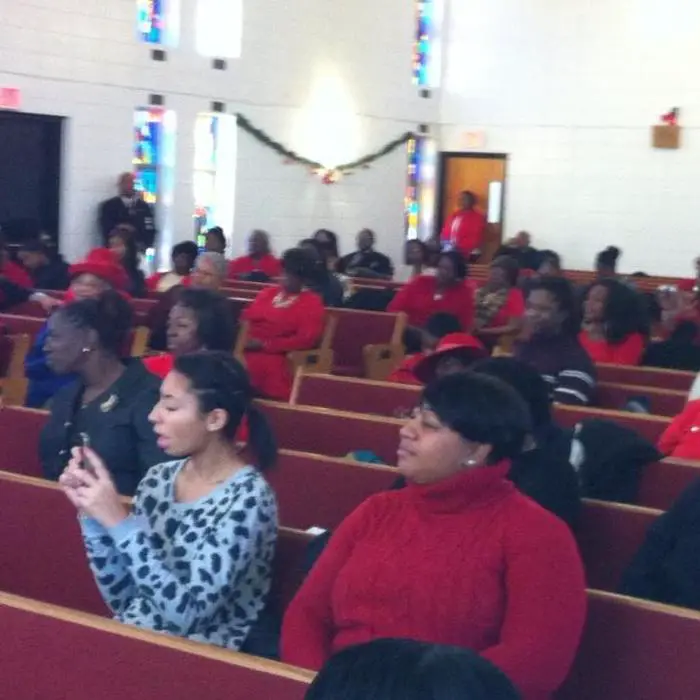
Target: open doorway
[[484, 174]]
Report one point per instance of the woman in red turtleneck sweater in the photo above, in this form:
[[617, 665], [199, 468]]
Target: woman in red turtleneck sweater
[[458, 557]]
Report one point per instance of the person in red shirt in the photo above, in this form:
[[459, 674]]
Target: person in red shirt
[[682, 438], [511, 583], [448, 291], [259, 264], [280, 320], [464, 230], [614, 324], [500, 305], [438, 326]]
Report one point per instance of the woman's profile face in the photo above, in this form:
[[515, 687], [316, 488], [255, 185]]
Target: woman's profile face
[[183, 331], [428, 450], [64, 345], [177, 421]]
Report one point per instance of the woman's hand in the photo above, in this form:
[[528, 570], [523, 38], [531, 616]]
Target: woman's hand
[[91, 489]]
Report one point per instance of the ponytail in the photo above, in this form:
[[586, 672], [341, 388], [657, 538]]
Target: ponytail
[[261, 439]]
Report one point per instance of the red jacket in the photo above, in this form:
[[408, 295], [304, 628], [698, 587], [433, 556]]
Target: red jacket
[[682, 438], [245, 265], [464, 230], [419, 300], [281, 329], [628, 352], [17, 274], [468, 561]]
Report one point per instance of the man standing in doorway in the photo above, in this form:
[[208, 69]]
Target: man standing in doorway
[[464, 230], [128, 208]]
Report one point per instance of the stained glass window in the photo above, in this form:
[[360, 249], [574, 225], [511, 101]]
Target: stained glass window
[[420, 187], [214, 173], [148, 136], [427, 44], [151, 21]]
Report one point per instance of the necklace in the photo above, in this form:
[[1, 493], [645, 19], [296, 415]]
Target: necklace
[[281, 301]]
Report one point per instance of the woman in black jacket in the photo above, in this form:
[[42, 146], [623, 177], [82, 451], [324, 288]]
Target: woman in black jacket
[[108, 405]]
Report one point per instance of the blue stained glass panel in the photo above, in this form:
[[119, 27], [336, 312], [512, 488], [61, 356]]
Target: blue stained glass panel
[[151, 21]]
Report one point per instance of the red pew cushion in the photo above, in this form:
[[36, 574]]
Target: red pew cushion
[[19, 436]]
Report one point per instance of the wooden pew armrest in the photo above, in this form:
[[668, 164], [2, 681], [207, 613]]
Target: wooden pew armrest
[[382, 359], [317, 361], [139, 343]]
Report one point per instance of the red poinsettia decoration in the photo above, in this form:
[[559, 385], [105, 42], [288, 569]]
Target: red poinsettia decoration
[[671, 117]]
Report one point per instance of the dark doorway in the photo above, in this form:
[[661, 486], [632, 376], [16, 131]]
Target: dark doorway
[[30, 175]]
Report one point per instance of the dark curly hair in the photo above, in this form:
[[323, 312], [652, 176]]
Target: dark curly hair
[[624, 311], [215, 327], [300, 263]]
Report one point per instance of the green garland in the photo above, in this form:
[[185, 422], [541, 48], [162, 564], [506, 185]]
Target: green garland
[[364, 162]]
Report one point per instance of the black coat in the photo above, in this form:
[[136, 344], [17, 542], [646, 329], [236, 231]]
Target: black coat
[[53, 275], [140, 215], [116, 423], [667, 567]]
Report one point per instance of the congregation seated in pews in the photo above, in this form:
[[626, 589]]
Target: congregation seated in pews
[[637, 549]]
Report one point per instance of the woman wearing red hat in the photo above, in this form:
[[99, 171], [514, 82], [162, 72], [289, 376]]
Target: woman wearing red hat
[[454, 353], [99, 272]]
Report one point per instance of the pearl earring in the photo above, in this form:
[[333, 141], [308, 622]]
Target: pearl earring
[[86, 350], [469, 463]]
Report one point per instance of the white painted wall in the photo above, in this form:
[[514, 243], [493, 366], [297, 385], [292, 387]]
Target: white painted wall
[[570, 90], [80, 59]]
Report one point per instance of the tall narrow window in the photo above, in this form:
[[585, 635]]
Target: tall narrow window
[[214, 178], [427, 46], [151, 21], [158, 21], [219, 28], [420, 187], [154, 168]]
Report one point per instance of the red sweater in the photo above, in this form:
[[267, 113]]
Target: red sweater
[[245, 265], [17, 274], [468, 561], [419, 300], [464, 231], [628, 352], [682, 438]]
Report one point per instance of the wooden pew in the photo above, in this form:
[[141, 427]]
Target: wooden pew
[[649, 427], [53, 652], [385, 398], [357, 330], [609, 535], [662, 402], [19, 436], [29, 325], [635, 650], [663, 482], [332, 433], [646, 376]]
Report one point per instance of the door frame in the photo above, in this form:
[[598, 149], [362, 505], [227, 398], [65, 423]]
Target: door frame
[[443, 159]]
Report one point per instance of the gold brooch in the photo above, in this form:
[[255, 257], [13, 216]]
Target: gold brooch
[[108, 404]]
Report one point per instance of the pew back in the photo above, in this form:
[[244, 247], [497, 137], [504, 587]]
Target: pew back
[[662, 402], [59, 653], [637, 650], [645, 376]]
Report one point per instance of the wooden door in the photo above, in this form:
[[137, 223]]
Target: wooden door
[[484, 174]]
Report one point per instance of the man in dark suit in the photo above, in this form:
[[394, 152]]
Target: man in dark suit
[[128, 208]]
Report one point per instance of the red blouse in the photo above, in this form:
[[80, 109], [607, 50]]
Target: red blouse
[[682, 438], [269, 265], [514, 307], [628, 352], [419, 300]]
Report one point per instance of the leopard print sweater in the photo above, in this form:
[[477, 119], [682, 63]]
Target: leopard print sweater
[[199, 570]]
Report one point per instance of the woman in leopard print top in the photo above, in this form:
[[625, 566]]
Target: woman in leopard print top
[[194, 557]]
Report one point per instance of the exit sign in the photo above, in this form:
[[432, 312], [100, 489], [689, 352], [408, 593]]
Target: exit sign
[[10, 98]]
